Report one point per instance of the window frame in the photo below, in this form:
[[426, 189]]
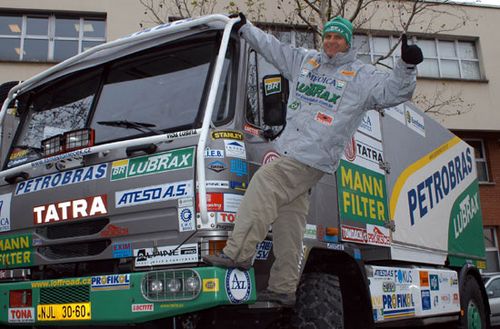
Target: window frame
[[482, 160], [51, 37], [438, 57], [494, 248]]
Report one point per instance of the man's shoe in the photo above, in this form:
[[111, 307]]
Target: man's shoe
[[223, 260], [276, 297]]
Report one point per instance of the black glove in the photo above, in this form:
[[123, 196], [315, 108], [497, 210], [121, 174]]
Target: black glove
[[410, 54], [243, 21]]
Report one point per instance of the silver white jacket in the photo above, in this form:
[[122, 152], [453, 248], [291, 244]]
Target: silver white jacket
[[328, 96]]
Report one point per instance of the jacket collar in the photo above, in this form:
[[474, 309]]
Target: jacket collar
[[339, 58]]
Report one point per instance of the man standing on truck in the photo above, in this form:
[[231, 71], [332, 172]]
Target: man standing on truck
[[330, 92]]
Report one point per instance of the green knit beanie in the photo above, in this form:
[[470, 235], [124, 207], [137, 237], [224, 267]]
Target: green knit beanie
[[341, 26]]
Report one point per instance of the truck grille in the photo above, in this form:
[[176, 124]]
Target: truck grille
[[70, 230], [81, 249], [64, 295]]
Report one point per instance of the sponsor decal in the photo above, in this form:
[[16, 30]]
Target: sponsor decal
[[426, 299], [415, 121], [216, 166], [263, 249], [232, 202], [185, 202], [110, 282], [400, 276], [323, 118], [434, 282], [19, 153], [211, 285], [238, 286], [456, 299], [270, 157], [354, 234], [239, 186], [225, 218], [468, 208], [61, 283], [151, 194], [152, 164], [251, 130], [397, 113], [348, 73], [59, 157], [272, 86], [427, 193], [362, 194], [446, 299], [65, 178], [166, 255], [378, 235], [113, 230], [424, 278], [215, 202], [388, 286], [5, 200], [216, 184], [15, 250], [310, 232], [313, 62], [21, 315], [143, 308], [121, 250], [398, 305], [295, 105], [235, 149], [214, 153], [335, 246], [370, 124], [317, 93], [227, 134], [71, 209], [238, 167], [350, 150], [186, 219]]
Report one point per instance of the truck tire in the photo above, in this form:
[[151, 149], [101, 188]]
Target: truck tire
[[471, 302], [319, 303]]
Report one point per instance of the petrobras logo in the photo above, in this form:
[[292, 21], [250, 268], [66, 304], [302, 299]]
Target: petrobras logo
[[69, 177]]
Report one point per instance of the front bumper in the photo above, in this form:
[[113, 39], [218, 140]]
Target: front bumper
[[121, 298]]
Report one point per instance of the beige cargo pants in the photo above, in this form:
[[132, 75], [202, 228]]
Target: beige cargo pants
[[277, 195]]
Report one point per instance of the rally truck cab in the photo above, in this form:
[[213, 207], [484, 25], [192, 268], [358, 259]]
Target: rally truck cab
[[122, 166]]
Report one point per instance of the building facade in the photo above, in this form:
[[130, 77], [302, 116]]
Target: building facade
[[458, 82]]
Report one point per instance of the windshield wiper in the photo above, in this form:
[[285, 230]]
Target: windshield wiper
[[141, 126]]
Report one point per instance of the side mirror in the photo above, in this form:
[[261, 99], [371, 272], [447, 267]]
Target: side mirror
[[274, 100]]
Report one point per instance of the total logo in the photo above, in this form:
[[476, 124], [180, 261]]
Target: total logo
[[238, 286]]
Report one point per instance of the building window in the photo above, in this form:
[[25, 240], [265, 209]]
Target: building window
[[48, 38], [456, 59], [491, 246], [295, 36], [480, 155]]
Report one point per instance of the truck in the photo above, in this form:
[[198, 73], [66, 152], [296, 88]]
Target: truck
[[123, 165]]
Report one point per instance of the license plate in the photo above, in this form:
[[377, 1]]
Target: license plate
[[63, 312]]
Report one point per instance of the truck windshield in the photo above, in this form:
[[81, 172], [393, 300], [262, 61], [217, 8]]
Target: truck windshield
[[157, 90]]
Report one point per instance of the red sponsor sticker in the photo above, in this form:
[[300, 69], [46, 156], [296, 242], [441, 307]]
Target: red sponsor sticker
[[215, 202], [71, 209], [270, 157], [324, 118], [113, 230], [251, 130], [226, 217], [143, 308], [350, 150], [378, 235], [355, 234]]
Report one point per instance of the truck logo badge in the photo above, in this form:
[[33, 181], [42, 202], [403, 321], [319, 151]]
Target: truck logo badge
[[71, 209], [216, 166], [238, 286]]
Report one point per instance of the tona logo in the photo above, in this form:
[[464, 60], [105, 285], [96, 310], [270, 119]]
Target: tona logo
[[71, 209]]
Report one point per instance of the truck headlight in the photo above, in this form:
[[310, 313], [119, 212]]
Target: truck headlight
[[174, 285], [192, 284], [156, 286], [171, 285]]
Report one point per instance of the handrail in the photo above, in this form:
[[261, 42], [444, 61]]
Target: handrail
[[200, 151]]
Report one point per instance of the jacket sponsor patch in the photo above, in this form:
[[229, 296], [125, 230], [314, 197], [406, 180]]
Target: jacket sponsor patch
[[156, 193], [166, 255], [71, 209], [69, 177], [153, 164], [323, 118]]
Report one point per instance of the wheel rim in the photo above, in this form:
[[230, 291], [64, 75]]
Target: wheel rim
[[473, 316]]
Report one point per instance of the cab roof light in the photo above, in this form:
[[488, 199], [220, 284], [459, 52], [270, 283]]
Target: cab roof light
[[52, 146], [77, 139]]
